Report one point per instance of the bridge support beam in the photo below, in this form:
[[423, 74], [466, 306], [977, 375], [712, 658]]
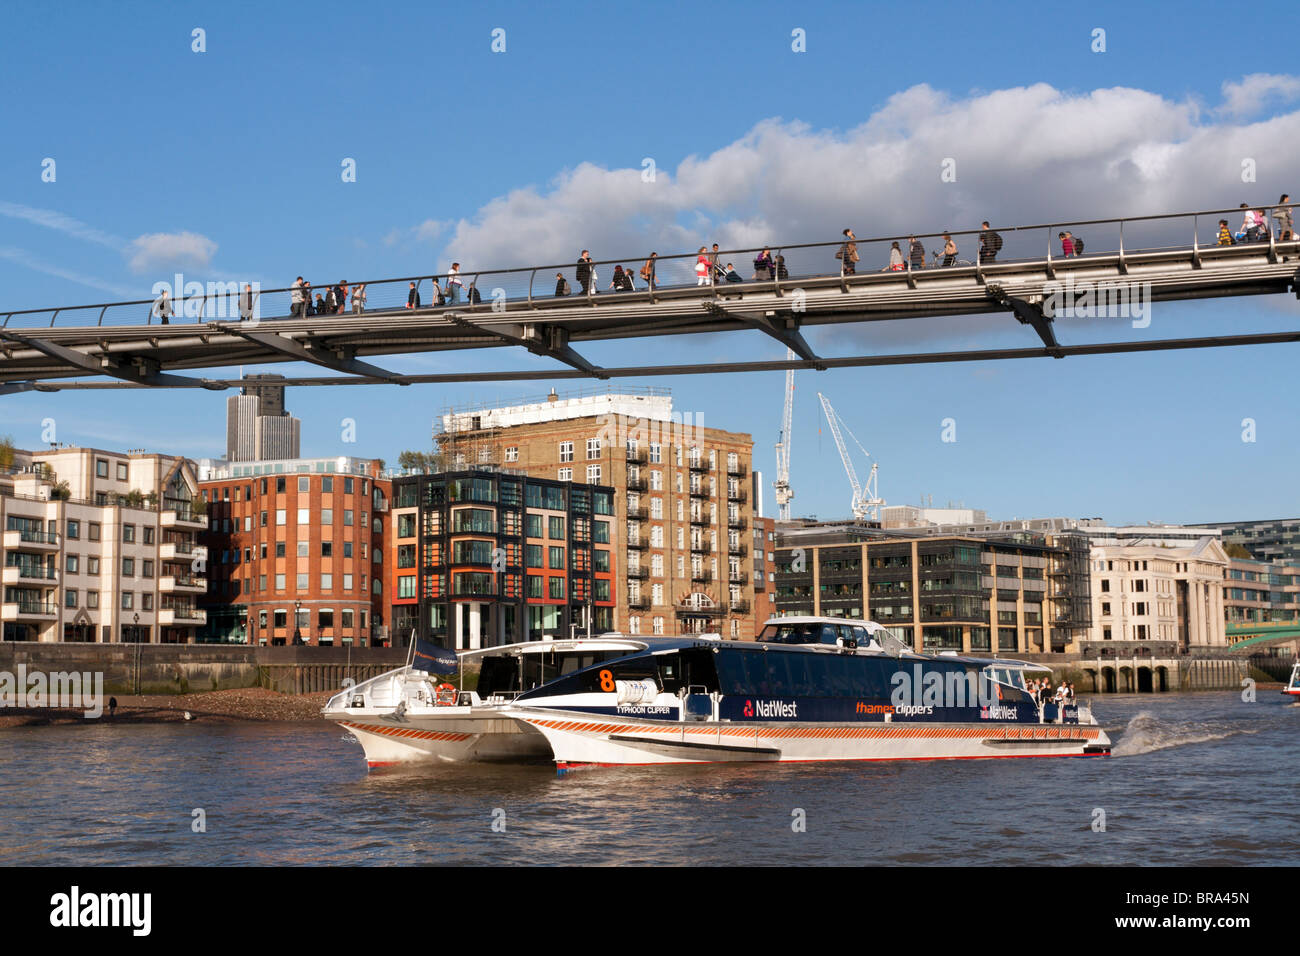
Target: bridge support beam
[[316, 353], [785, 329], [138, 370], [1030, 312], [551, 341]]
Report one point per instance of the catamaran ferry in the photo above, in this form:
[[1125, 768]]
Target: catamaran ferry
[[1292, 689], [809, 689]]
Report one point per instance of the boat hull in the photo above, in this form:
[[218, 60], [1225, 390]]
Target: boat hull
[[466, 738], [586, 740]]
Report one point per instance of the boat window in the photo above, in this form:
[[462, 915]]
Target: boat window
[[830, 634], [783, 633], [862, 636]]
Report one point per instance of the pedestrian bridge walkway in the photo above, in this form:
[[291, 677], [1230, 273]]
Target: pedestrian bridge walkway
[[1127, 266]]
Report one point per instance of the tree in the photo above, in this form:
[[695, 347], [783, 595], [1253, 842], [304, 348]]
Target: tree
[[61, 492], [134, 498], [6, 452], [1237, 550], [417, 460], [198, 506]]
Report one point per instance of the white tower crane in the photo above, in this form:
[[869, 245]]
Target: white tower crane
[[782, 483], [865, 503]]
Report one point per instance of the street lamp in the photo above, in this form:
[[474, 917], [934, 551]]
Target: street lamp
[[297, 619]]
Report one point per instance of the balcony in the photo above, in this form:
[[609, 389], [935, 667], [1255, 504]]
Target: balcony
[[738, 577], [739, 606], [637, 484], [700, 491], [31, 541], [30, 574], [700, 519], [701, 465], [182, 617], [700, 574], [738, 522], [640, 456], [183, 584], [638, 574], [701, 547], [171, 551], [637, 545], [183, 520], [28, 611], [739, 469], [639, 513], [740, 550], [639, 602], [738, 495]]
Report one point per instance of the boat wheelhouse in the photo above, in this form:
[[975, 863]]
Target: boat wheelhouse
[[1292, 689]]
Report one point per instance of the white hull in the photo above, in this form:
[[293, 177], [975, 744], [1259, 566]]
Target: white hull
[[443, 738], [599, 740]]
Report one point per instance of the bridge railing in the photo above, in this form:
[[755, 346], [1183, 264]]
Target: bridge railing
[[675, 273]]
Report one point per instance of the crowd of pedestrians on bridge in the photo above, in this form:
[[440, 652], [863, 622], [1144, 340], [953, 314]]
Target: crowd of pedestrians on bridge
[[450, 288]]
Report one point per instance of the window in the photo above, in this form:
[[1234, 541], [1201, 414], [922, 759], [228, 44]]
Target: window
[[279, 582], [327, 485], [70, 597], [301, 582], [556, 586], [93, 531], [71, 564], [657, 508], [406, 555], [656, 453], [128, 533], [92, 599], [556, 559], [327, 582], [600, 559], [512, 453], [325, 617], [533, 555], [659, 625], [128, 567], [564, 474], [121, 471], [92, 565], [281, 516], [555, 530], [600, 533], [593, 449], [327, 549], [406, 526], [348, 484], [304, 516], [279, 485], [656, 481], [146, 567], [304, 485], [128, 600], [593, 474], [406, 586], [74, 529], [566, 451], [534, 525], [261, 582], [347, 582], [347, 519], [146, 600], [281, 617]]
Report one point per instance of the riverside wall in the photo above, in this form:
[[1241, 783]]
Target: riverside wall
[[191, 668]]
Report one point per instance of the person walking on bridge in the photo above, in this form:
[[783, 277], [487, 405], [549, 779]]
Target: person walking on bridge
[[1067, 244], [359, 299], [246, 304], [413, 297], [895, 258], [763, 265], [454, 284], [702, 267], [295, 297], [990, 243], [582, 271], [949, 250], [163, 308], [1285, 225], [916, 252], [648, 271], [848, 254]]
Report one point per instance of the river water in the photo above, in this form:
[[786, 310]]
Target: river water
[[1200, 778]]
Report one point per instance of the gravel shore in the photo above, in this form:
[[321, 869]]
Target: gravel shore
[[214, 707]]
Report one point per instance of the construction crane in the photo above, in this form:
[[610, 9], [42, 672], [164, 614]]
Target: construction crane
[[782, 483], [865, 503]]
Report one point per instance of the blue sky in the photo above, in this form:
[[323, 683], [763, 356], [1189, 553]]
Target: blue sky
[[516, 158]]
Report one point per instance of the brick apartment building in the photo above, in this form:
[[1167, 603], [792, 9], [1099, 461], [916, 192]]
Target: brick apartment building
[[296, 552], [682, 496]]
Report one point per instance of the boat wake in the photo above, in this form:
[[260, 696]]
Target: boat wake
[[1146, 733]]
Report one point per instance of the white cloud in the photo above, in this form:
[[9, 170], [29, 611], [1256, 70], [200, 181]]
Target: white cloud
[[29, 261], [1252, 93], [159, 249], [52, 219], [426, 231]]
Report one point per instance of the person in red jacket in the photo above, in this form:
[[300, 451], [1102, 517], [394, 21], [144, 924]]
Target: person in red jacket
[[1067, 244]]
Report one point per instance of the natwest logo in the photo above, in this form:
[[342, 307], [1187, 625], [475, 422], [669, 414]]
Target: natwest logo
[[749, 708], [773, 708]]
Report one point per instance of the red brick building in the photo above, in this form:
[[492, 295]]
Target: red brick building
[[296, 552]]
